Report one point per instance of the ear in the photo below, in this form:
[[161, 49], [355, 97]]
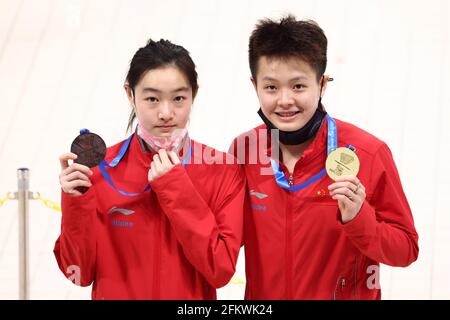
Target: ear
[[325, 80], [253, 82], [129, 93]]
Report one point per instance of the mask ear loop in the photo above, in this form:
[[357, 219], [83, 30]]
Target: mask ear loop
[[321, 87], [320, 98]]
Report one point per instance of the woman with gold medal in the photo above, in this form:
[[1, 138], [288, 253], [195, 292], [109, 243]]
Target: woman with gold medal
[[331, 207]]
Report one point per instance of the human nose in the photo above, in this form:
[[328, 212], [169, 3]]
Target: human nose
[[165, 112], [285, 98]]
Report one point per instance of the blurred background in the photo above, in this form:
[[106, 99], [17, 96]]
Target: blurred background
[[63, 65]]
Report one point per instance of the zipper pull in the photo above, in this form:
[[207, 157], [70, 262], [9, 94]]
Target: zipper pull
[[291, 180]]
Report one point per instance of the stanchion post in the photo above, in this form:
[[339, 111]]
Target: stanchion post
[[23, 176]]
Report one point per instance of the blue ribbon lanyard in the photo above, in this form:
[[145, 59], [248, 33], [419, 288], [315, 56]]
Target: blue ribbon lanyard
[[102, 166], [280, 178]]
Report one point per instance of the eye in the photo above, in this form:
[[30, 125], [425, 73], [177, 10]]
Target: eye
[[179, 98], [152, 99], [270, 88], [298, 86]]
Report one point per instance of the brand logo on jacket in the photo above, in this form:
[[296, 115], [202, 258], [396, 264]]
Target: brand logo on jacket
[[258, 207], [259, 195], [125, 212], [120, 223]]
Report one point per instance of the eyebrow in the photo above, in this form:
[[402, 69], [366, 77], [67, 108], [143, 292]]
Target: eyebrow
[[180, 89], [299, 78], [293, 79]]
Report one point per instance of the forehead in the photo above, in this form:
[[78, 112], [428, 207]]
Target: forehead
[[164, 78], [280, 67]]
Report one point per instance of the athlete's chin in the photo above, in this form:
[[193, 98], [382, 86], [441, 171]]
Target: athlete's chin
[[288, 126], [164, 132]]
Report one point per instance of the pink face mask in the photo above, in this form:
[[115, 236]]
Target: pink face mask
[[156, 143]]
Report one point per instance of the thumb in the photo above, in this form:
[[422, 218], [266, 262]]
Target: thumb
[[173, 157]]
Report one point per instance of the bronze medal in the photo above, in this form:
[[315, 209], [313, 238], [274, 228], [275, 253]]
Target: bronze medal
[[90, 149]]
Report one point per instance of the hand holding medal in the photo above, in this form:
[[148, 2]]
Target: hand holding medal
[[88, 150], [342, 166]]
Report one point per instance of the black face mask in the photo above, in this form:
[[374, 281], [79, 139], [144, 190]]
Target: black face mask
[[301, 135]]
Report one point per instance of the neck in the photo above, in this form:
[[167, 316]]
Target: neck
[[144, 146], [292, 153]]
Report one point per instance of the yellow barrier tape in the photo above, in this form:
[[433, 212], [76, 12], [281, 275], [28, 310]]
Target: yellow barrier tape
[[237, 280], [48, 203], [9, 196]]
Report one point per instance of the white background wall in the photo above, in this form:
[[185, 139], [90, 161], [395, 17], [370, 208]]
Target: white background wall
[[63, 64]]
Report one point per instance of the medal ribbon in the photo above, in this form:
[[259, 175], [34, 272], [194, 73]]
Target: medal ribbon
[[116, 160], [280, 178]]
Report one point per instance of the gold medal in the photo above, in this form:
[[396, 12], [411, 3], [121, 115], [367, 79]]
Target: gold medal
[[342, 162]]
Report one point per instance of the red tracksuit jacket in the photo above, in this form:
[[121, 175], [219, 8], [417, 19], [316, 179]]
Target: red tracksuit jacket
[[179, 240], [296, 246]]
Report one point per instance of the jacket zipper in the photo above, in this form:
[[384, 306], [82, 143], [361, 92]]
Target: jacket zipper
[[340, 284], [291, 180], [289, 294]]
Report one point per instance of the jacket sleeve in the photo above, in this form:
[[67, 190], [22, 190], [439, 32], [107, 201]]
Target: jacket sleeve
[[384, 228], [242, 158], [75, 249], [210, 237]]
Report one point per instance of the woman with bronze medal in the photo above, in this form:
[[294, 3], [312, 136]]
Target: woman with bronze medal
[[150, 218]]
